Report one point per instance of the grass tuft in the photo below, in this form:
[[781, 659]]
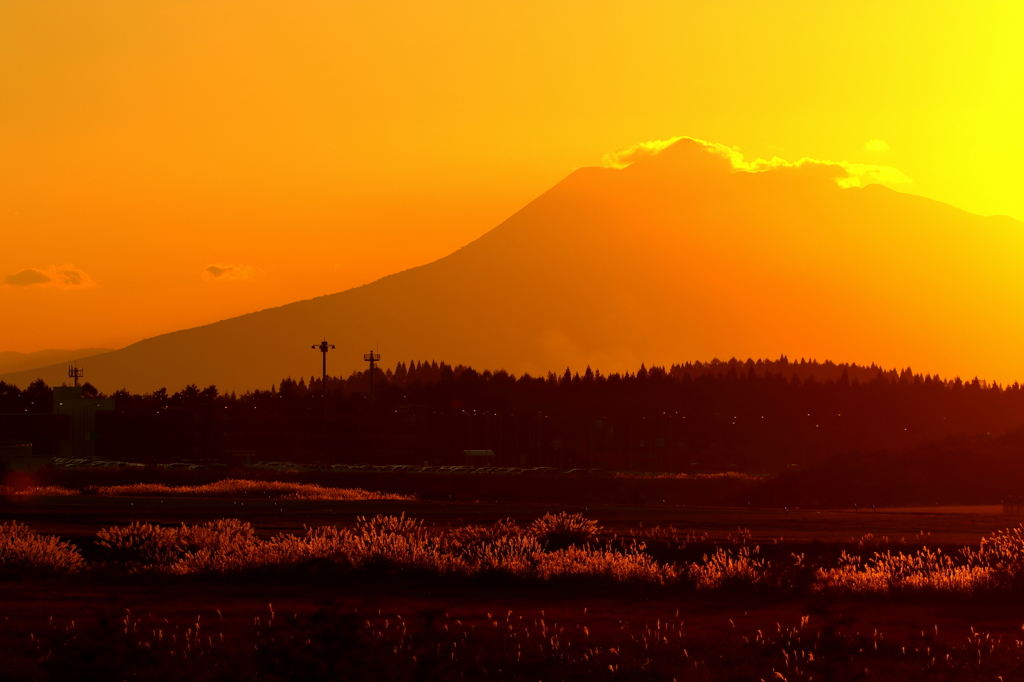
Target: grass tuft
[[24, 552]]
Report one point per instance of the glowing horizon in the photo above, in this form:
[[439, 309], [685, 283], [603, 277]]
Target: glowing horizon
[[170, 165]]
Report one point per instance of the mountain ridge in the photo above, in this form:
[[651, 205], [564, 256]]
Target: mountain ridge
[[14, 361], [674, 257]]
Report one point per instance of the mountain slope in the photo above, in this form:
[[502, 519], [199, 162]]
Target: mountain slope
[[675, 257], [11, 361]]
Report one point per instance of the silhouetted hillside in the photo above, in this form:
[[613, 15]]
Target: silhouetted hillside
[[677, 255], [11, 361]]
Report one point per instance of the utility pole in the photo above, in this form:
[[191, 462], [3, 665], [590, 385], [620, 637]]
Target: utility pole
[[372, 358], [323, 347]]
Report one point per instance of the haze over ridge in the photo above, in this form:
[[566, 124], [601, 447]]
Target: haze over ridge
[[12, 361], [677, 256]]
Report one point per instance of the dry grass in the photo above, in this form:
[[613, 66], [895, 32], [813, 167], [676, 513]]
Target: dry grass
[[889, 573], [234, 487], [24, 552], [144, 545], [998, 563], [564, 530], [728, 568], [44, 490], [356, 643], [394, 542], [401, 543], [554, 547]]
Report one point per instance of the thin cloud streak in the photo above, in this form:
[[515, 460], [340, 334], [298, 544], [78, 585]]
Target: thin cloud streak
[[65, 276], [224, 272]]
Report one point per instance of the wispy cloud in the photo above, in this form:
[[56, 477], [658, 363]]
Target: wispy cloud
[[65, 276], [876, 146], [846, 174], [623, 157], [224, 272]]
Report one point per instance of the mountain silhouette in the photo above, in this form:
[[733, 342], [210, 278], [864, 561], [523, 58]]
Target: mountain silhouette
[[11, 361], [675, 257]]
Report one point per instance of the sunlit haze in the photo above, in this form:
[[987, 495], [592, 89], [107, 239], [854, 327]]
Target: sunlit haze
[[168, 165]]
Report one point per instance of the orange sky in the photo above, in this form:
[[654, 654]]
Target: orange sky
[[168, 164]]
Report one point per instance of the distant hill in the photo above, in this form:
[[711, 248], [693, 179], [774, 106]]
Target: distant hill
[[675, 257], [11, 361]]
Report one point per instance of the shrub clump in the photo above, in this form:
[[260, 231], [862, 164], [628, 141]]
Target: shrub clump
[[381, 543], [472, 535], [143, 546], [554, 547], [139, 544], [1003, 553], [41, 490], [923, 571], [630, 566], [23, 552], [562, 530], [726, 568]]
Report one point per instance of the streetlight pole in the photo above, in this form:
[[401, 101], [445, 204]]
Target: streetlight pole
[[323, 347], [372, 358]]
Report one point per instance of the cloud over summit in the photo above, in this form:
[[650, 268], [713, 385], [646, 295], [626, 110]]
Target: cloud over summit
[[846, 174], [627, 155]]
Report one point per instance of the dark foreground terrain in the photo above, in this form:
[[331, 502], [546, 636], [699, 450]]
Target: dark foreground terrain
[[79, 517], [388, 620], [303, 629]]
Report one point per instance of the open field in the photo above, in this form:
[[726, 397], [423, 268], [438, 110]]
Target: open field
[[318, 629], [84, 515], [470, 486], [682, 615]]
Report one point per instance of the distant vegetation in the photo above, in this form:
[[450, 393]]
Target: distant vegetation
[[555, 547], [754, 417]]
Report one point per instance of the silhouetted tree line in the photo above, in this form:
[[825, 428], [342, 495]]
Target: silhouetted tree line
[[37, 398], [721, 415]]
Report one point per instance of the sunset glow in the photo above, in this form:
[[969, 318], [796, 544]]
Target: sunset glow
[[189, 162], [511, 341]]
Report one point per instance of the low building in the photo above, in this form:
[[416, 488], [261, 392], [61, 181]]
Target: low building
[[82, 435], [19, 457], [480, 458]]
